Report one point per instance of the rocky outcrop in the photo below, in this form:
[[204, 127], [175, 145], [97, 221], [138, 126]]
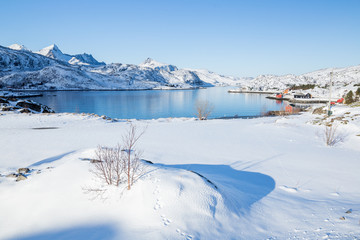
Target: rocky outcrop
[[23, 106], [23, 170]]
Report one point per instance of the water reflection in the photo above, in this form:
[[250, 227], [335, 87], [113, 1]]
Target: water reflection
[[157, 103]]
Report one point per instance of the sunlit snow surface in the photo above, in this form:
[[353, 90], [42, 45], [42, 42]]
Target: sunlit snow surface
[[265, 178]]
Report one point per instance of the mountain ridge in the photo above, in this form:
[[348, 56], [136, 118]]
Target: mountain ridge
[[51, 69]]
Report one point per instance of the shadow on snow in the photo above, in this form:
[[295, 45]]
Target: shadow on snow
[[51, 159], [240, 189], [80, 232]]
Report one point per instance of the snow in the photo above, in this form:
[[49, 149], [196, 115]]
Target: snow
[[18, 47], [263, 178]]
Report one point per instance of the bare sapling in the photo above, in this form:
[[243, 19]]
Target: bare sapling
[[331, 135], [203, 109], [132, 165]]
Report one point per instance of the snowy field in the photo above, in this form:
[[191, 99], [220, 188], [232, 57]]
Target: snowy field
[[269, 178]]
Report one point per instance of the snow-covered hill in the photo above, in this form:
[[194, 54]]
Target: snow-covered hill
[[51, 69], [343, 80]]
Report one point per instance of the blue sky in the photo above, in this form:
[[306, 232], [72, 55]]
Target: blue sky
[[240, 38]]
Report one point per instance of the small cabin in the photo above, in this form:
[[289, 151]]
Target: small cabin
[[301, 95]]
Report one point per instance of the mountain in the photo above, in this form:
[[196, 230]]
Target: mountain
[[18, 47], [54, 52], [87, 58], [343, 80], [51, 69], [151, 63]]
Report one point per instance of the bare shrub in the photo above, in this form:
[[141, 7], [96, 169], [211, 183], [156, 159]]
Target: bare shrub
[[331, 135], [122, 163], [203, 109], [109, 165]]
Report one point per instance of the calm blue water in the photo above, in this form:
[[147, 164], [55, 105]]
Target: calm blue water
[[158, 103]]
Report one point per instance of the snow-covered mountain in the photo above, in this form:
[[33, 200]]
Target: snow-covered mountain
[[51, 69], [18, 47], [151, 63], [343, 79], [54, 52]]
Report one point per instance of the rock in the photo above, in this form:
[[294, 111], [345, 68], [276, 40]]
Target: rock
[[342, 218], [8, 108], [3, 100], [12, 175], [148, 161], [37, 107], [31, 105], [46, 109], [21, 177], [95, 161], [24, 110], [23, 170], [319, 110], [349, 211]]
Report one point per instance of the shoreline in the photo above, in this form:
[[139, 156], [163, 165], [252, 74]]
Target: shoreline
[[105, 90]]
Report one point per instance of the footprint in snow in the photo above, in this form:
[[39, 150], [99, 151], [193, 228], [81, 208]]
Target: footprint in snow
[[158, 204], [156, 180], [165, 220], [156, 191], [188, 237]]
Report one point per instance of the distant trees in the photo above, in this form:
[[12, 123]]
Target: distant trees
[[349, 97], [302, 87], [203, 109], [120, 164], [358, 91]]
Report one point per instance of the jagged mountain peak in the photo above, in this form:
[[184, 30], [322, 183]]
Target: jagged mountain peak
[[52, 47], [148, 60], [54, 52], [151, 63]]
